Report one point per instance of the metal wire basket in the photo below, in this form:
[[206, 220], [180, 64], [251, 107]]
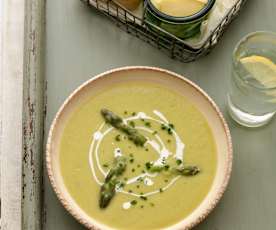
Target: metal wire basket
[[175, 47]]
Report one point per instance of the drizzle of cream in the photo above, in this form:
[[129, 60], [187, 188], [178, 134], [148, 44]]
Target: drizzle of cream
[[141, 176], [161, 116], [97, 135], [164, 154], [158, 147], [148, 181], [126, 205], [117, 152]]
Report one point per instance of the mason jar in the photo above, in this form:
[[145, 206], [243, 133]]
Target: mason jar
[[181, 26]]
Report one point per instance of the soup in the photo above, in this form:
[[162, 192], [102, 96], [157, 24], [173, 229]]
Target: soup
[[179, 8], [160, 151]]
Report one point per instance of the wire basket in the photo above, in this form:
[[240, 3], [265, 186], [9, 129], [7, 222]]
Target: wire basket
[[173, 46]]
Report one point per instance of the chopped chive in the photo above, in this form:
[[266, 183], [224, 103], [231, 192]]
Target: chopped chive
[[118, 137], [132, 124], [166, 180], [133, 114], [125, 179], [131, 155], [147, 149], [142, 119], [170, 131], [138, 166], [152, 204], [131, 160], [154, 133], [133, 202], [125, 112], [148, 124], [138, 186], [121, 185], [130, 191], [171, 126], [166, 167], [105, 165], [160, 190], [141, 193], [163, 126], [142, 206], [143, 198], [143, 171], [132, 170], [148, 165], [169, 141], [178, 162]]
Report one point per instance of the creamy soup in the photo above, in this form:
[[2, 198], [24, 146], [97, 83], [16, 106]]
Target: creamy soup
[[166, 172], [179, 8]]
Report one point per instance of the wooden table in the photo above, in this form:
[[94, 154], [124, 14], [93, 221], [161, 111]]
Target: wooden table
[[81, 43]]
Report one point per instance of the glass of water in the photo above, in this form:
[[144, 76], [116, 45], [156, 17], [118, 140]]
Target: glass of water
[[252, 93]]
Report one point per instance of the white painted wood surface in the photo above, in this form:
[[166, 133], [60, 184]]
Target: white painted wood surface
[[12, 94], [33, 114], [22, 109]]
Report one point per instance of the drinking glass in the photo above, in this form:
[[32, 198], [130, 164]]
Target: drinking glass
[[252, 90]]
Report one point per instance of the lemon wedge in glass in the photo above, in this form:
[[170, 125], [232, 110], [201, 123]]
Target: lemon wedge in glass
[[262, 69]]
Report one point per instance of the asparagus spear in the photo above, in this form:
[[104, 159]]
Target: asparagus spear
[[181, 170], [187, 170], [117, 122], [108, 191]]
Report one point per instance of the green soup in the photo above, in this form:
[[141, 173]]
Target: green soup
[[177, 135]]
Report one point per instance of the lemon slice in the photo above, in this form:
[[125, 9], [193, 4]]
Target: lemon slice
[[262, 69]]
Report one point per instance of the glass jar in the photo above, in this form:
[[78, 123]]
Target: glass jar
[[182, 27], [252, 88]]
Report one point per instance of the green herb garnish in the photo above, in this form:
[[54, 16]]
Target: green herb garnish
[[132, 124], [143, 198], [148, 124], [178, 162], [105, 165], [133, 202], [118, 137]]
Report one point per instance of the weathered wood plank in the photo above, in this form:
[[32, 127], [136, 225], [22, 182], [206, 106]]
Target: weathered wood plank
[[22, 97], [12, 94], [33, 101]]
